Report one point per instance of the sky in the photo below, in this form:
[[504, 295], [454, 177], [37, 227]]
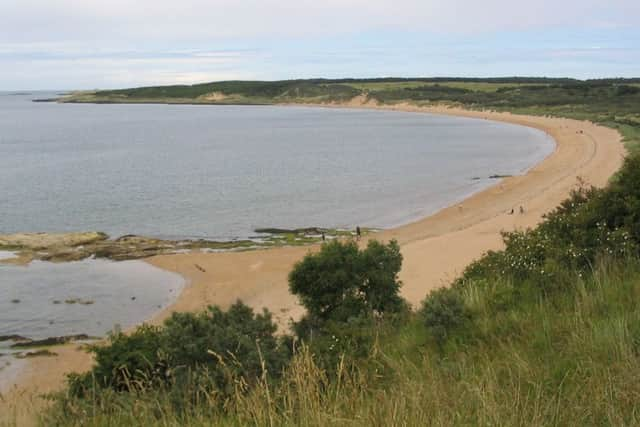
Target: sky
[[90, 44]]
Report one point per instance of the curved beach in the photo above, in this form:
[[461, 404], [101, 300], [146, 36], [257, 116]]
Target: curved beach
[[435, 249]]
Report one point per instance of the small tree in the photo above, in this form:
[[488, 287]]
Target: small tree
[[341, 281]]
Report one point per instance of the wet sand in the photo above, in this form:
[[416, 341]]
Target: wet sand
[[435, 249]]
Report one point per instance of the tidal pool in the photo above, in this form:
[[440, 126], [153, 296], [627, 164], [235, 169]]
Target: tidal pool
[[90, 297]]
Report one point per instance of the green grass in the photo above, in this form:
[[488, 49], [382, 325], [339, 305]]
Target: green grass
[[474, 86], [571, 359]]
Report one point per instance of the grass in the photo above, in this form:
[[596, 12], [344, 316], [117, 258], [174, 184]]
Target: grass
[[474, 86], [570, 359]]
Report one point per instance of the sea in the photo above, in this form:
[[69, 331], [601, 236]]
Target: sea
[[213, 172], [220, 172]]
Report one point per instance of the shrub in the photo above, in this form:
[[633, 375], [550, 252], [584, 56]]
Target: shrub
[[129, 363], [236, 343], [444, 313], [224, 347], [341, 281]]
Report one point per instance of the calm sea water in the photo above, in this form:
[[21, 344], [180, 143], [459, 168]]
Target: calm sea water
[[221, 171], [35, 300]]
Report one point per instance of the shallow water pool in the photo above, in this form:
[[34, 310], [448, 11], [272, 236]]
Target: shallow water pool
[[90, 297]]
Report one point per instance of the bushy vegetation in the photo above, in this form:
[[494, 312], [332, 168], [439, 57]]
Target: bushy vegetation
[[219, 348], [544, 332], [349, 295], [239, 91], [342, 281], [591, 223]]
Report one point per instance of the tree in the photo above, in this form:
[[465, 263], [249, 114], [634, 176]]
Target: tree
[[342, 281]]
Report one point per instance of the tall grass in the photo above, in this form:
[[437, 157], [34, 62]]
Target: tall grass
[[570, 358]]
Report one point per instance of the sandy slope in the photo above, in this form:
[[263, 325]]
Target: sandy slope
[[435, 249]]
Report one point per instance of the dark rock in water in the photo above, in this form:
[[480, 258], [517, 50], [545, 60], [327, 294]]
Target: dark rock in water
[[133, 298], [14, 338], [308, 230], [499, 176], [15, 301], [37, 353], [51, 341]]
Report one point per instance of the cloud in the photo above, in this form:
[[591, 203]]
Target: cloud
[[113, 43], [144, 21]]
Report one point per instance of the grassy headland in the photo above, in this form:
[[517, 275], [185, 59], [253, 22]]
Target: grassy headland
[[613, 102], [544, 332]]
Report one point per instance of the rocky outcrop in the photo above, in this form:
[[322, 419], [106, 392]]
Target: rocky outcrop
[[61, 247], [52, 341]]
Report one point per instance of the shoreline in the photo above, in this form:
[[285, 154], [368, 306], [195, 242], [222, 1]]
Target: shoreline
[[435, 248], [454, 235]]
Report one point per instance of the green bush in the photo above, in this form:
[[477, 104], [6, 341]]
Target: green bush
[[342, 281], [223, 347], [444, 312], [351, 295], [591, 223], [236, 343], [132, 362]]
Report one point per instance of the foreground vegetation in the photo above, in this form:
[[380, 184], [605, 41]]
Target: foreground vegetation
[[544, 332]]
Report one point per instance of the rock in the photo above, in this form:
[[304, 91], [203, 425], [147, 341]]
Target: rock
[[37, 241], [51, 341], [37, 353], [15, 338], [79, 301]]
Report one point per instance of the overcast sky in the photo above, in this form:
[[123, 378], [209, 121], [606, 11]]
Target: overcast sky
[[85, 44]]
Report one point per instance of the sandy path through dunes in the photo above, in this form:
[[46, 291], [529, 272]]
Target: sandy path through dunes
[[435, 249]]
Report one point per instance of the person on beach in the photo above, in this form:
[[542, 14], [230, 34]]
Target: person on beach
[[323, 236], [521, 210], [358, 233], [512, 211]]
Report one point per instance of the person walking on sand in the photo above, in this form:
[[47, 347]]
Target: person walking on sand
[[521, 210], [512, 212], [358, 232]]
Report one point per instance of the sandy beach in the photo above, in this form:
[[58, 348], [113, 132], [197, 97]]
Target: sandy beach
[[435, 249]]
